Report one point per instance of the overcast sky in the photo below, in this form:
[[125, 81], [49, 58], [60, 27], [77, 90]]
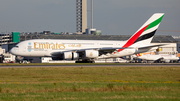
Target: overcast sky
[[113, 17]]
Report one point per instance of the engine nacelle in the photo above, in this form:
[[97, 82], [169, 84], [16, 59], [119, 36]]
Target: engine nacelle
[[75, 56], [91, 53], [71, 56]]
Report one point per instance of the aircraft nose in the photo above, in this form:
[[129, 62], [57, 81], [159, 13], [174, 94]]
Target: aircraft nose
[[12, 51]]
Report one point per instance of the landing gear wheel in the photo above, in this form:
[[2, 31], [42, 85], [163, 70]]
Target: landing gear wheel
[[93, 61], [85, 61]]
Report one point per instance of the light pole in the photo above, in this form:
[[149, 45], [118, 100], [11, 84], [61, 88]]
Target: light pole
[[91, 14]]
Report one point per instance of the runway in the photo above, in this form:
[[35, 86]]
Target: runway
[[96, 65]]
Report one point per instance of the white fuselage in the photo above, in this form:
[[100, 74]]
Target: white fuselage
[[52, 47]]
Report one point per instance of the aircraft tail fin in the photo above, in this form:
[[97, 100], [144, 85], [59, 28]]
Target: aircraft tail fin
[[146, 32]]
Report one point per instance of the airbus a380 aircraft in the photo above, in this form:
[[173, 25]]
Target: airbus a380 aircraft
[[88, 50]]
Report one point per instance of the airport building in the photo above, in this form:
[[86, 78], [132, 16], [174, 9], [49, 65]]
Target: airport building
[[5, 39], [9, 40], [13, 37]]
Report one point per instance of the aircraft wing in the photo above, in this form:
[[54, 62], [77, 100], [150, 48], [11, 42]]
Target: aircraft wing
[[103, 50]]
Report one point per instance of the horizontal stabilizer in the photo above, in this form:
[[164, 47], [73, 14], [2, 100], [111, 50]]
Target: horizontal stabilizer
[[151, 46]]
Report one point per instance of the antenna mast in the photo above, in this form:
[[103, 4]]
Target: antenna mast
[[91, 14]]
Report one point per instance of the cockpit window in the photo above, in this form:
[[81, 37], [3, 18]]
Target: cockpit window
[[16, 46]]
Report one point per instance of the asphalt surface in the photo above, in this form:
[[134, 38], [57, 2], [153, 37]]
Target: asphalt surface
[[98, 65]]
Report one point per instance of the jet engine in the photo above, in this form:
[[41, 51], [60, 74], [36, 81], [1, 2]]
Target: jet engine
[[91, 53], [71, 56]]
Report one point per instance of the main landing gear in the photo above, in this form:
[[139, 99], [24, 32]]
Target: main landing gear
[[85, 61]]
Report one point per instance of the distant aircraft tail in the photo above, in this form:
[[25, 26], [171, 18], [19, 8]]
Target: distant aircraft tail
[[146, 32]]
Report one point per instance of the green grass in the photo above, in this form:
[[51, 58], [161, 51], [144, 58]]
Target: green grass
[[90, 83]]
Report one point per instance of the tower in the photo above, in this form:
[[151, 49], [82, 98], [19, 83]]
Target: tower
[[81, 16]]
